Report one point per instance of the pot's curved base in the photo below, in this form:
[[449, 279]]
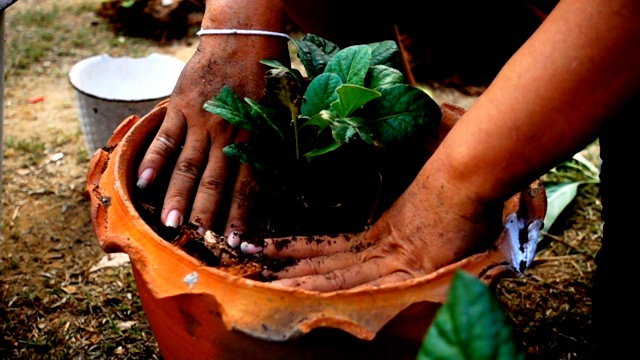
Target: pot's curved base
[[199, 333]]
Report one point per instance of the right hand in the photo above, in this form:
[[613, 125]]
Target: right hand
[[203, 176]]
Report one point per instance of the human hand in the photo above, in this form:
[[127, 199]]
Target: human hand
[[205, 186], [429, 226], [383, 254]]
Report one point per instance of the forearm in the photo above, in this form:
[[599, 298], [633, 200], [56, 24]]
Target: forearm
[[234, 59], [548, 102], [244, 14]]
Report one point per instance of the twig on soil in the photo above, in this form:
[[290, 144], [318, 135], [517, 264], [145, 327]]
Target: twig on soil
[[543, 260], [561, 241]]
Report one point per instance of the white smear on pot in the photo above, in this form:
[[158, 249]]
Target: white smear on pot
[[191, 279]]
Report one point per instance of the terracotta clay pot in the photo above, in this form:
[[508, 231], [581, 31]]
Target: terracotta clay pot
[[197, 311]]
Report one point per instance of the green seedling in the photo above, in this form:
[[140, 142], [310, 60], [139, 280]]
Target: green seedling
[[349, 97]]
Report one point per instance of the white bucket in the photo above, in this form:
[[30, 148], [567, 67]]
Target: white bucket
[[108, 90]]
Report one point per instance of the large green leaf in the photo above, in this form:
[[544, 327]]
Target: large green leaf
[[401, 111], [469, 326], [381, 76], [559, 196], [230, 107], [385, 53], [320, 94], [351, 64], [352, 98]]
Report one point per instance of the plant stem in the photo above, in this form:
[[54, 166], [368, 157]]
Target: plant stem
[[294, 116]]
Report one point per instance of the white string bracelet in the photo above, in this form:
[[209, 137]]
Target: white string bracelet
[[241, 32]]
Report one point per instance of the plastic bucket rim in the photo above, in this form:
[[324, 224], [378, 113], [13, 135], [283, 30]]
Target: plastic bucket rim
[[106, 57]]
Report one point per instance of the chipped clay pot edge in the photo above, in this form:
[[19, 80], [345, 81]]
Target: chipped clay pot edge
[[249, 306]]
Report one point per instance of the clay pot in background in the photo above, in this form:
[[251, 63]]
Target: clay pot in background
[[197, 311]]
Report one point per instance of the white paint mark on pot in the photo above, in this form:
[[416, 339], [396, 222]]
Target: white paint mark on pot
[[191, 279], [530, 247], [522, 250]]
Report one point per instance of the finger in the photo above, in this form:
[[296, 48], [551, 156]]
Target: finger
[[392, 278], [241, 203], [316, 265], [341, 279], [301, 247], [185, 177], [241, 200], [210, 189], [165, 144]]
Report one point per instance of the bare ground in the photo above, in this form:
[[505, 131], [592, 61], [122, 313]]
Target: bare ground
[[52, 305]]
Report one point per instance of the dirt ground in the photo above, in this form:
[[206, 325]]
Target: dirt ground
[[53, 304]]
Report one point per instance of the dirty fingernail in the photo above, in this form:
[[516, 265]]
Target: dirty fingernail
[[174, 219], [248, 248], [234, 239], [145, 178]]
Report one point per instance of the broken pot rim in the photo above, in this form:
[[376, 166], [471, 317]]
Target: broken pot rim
[[248, 305]]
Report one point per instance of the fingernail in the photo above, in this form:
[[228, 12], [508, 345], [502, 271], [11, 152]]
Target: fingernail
[[174, 219], [234, 239], [248, 248], [145, 178], [202, 231]]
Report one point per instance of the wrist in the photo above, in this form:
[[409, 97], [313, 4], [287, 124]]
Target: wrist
[[457, 185]]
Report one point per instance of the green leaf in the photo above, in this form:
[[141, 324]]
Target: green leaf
[[385, 53], [345, 129], [321, 120], [590, 170], [230, 107], [313, 154], [246, 154], [400, 112], [469, 326], [314, 54], [267, 114], [127, 3], [324, 45], [352, 98], [277, 65], [351, 64], [342, 133], [282, 85], [559, 196], [381, 76], [320, 94]]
